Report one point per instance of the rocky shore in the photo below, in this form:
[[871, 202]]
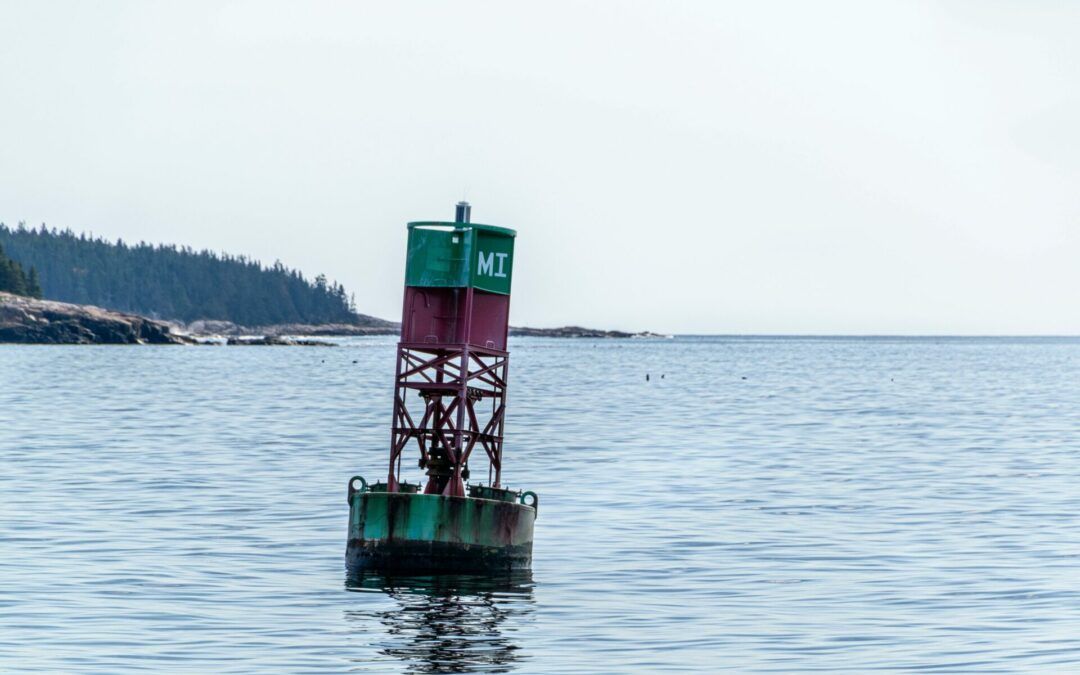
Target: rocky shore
[[32, 321]]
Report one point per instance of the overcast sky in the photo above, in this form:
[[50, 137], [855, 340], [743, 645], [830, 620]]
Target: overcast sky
[[710, 167]]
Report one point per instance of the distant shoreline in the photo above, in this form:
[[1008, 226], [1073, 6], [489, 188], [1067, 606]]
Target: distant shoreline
[[207, 328], [26, 320], [579, 332]]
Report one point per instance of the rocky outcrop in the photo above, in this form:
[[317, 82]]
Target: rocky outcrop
[[33, 321]]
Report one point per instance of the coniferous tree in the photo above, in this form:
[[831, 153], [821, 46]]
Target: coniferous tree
[[33, 284], [12, 277]]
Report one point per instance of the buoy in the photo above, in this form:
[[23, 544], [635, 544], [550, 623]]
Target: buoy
[[450, 392]]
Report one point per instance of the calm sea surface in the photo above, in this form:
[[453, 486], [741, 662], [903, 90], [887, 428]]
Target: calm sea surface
[[758, 504]]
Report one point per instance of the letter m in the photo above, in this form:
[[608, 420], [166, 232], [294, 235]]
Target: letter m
[[486, 266]]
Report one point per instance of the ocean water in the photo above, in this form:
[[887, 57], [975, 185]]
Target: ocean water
[[759, 504]]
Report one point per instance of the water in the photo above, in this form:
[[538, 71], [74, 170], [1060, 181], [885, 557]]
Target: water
[[766, 504]]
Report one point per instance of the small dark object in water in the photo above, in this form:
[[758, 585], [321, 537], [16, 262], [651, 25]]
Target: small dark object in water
[[646, 377]]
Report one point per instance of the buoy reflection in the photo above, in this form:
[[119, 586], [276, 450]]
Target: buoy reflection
[[448, 623]]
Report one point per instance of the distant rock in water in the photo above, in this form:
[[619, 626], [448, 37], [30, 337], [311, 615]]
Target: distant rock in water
[[276, 341], [578, 332], [32, 321]]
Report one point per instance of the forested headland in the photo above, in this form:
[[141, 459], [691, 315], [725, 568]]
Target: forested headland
[[165, 281]]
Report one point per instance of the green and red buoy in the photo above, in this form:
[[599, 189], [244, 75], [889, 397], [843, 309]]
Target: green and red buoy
[[450, 400]]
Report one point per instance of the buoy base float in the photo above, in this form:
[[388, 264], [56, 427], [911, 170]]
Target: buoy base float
[[488, 532]]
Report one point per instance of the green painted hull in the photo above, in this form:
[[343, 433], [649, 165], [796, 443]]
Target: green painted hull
[[413, 533]]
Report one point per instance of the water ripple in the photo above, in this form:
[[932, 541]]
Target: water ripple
[[769, 504]]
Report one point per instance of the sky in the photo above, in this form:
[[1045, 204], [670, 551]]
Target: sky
[[681, 167]]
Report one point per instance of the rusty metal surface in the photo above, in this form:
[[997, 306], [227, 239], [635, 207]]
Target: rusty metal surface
[[449, 401], [417, 532]]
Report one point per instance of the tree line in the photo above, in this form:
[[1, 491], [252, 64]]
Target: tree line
[[14, 280], [166, 281]]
